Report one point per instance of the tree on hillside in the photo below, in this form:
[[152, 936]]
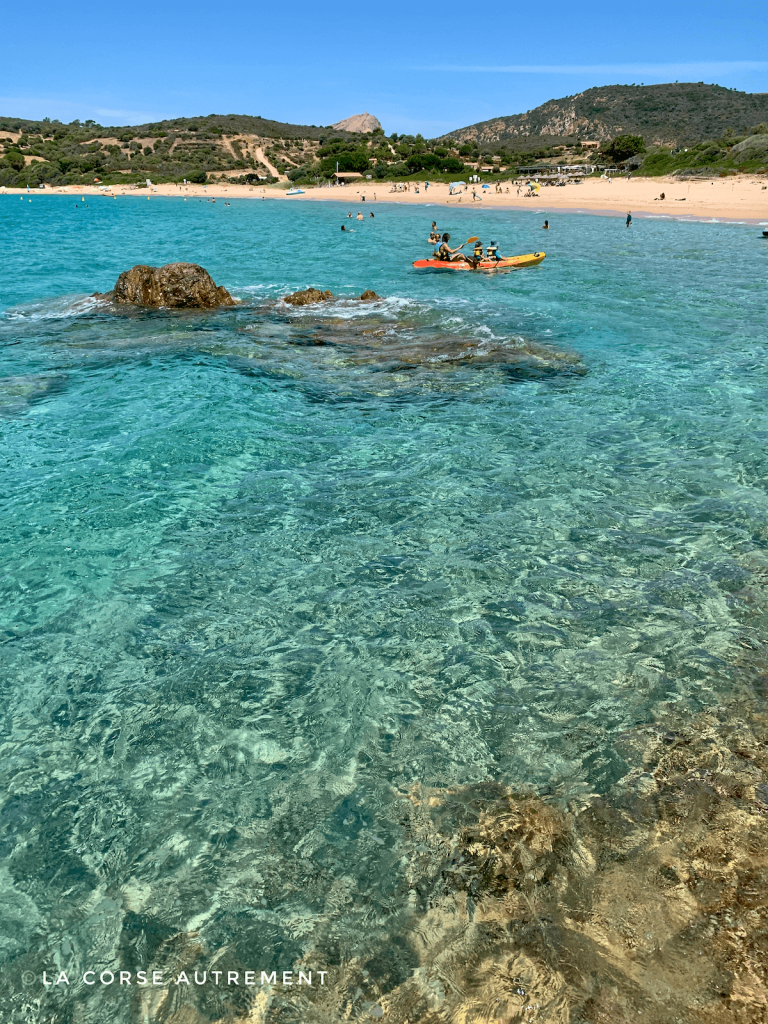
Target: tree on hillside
[[15, 159], [623, 147], [355, 161]]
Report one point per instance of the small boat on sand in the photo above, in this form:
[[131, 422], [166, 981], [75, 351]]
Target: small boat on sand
[[530, 259], [295, 192]]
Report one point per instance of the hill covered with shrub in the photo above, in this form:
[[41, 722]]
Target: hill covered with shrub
[[675, 114], [241, 148], [235, 147]]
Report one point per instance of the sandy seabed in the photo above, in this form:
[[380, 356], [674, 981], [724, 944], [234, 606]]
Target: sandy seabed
[[738, 198]]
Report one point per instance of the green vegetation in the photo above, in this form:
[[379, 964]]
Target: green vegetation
[[75, 153], [252, 149], [623, 147], [200, 149], [678, 114], [726, 155], [238, 149]]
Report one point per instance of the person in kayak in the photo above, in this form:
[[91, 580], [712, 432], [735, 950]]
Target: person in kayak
[[446, 253], [492, 252], [477, 254]]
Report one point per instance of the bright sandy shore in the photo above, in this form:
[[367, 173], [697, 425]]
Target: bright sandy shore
[[739, 198]]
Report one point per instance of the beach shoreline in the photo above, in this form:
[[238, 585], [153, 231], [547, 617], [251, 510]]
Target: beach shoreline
[[742, 198]]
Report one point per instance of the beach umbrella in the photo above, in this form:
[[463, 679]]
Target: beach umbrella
[[486, 186], [454, 183]]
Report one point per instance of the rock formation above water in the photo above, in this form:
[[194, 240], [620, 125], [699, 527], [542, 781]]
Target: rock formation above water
[[175, 285], [359, 123], [309, 296]]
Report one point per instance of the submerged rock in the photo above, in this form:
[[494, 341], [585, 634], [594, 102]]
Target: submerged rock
[[307, 297], [175, 285]]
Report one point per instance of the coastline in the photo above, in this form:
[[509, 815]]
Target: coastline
[[742, 198]]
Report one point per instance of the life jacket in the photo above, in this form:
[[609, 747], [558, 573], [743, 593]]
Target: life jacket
[[491, 252], [478, 252]]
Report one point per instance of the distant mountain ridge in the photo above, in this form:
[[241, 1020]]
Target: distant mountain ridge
[[227, 123], [678, 113]]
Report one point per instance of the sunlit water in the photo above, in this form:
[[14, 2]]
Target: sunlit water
[[256, 588]]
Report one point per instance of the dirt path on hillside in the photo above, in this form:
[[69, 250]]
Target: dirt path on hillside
[[270, 166]]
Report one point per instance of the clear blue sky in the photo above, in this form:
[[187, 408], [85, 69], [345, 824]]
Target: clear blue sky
[[419, 67]]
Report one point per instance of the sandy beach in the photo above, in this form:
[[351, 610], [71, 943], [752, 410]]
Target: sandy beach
[[738, 198]]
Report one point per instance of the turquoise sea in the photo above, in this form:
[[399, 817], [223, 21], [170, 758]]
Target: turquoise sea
[[269, 572]]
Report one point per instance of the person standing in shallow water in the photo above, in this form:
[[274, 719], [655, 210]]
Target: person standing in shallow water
[[629, 218], [545, 225]]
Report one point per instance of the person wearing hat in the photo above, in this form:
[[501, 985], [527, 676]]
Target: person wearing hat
[[492, 252]]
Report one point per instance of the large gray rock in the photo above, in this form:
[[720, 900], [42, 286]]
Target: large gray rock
[[176, 286], [359, 123], [753, 148]]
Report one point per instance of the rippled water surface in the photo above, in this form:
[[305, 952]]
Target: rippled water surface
[[267, 569]]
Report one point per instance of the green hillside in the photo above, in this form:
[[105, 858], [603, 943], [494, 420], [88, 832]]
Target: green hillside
[[185, 147], [235, 147], [684, 128], [676, 114]]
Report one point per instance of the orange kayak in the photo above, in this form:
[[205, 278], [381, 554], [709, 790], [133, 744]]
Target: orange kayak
[[530, 259]]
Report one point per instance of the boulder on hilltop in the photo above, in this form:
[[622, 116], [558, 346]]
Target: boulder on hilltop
[[175, 285], [359, 123]]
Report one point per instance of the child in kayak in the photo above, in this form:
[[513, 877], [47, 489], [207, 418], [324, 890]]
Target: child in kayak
[[492, 252], [477, 253]]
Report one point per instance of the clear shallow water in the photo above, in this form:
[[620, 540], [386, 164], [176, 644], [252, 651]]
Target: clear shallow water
[[255, 588]]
